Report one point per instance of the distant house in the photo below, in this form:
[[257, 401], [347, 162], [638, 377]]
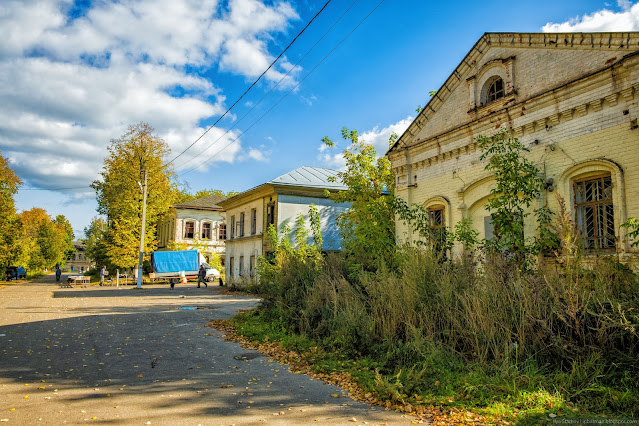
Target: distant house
[[276, 203], [198, 224], [78, 261]]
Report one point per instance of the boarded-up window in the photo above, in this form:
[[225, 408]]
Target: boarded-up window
[[489, 229], [241, 266], [595, 212]]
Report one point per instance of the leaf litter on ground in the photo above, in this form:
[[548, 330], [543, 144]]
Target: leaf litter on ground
[[300, 364]]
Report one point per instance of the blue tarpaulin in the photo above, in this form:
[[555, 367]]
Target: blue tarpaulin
[[175, 261]]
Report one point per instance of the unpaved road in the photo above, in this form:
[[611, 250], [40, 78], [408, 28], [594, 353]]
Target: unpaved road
[[127, 356]]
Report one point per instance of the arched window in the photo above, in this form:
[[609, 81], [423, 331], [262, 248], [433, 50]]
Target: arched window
[[495, 90], [595, 212]]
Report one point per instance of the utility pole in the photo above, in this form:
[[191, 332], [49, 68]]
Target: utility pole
[[146, 174]]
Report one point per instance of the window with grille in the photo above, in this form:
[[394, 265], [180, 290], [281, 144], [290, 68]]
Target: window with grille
[[206, 231], [189, 229], [437, 226], [436, 217], [222, 231], [594, 212], [496, 90]]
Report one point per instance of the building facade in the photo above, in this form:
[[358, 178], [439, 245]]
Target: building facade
[[278, 202], [195, 225], [78, 261], [572, 99]]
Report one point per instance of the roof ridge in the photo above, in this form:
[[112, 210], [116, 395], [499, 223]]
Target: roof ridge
[[525, 39]]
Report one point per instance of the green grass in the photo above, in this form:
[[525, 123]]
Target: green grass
[[524, 392]]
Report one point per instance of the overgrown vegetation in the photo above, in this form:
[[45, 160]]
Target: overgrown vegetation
[[423, 329]]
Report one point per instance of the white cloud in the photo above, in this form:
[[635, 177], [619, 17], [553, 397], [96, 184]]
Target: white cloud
[[333, 158], [603, 20], [71, 84], [258, 155]]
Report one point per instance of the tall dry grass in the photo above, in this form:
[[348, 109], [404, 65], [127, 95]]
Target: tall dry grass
[[427, 315]]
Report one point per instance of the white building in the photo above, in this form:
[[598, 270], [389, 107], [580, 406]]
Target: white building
[[198, 224], [278, 202]]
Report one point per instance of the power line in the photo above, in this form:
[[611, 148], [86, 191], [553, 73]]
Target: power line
[[254, 83], [278, 83], [289, 92]]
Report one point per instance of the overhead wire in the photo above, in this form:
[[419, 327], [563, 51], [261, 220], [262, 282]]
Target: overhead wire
[[251, 86], [288, 93], [235, 124], [225, 113]]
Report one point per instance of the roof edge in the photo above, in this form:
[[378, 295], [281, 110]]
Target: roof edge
[[487, 39]]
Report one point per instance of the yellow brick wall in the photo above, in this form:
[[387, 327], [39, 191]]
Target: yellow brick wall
[[576, 130]]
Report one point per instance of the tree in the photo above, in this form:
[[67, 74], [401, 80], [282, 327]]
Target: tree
[[95, 241], [519, 183], [183, 195], [43, 242], [62, 222], [368, 227], [9, 223], [119, 192]]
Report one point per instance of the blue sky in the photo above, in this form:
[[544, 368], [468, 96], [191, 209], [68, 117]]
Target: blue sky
[[74, 74]]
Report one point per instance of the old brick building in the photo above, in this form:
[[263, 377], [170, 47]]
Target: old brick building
[[571, 98]]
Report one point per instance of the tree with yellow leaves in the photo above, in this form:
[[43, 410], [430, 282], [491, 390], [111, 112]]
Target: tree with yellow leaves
[[119, 192]]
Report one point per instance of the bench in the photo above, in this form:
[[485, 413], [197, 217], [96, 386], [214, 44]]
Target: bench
[[78, 279]]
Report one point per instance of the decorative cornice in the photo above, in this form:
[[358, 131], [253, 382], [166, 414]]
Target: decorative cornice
[[528, 128], [619, 41]]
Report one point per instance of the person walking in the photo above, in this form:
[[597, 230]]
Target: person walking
[[201, 276], [58, 273], [103, 272]]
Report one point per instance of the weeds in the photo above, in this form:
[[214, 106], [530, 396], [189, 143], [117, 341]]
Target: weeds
[[551, 340]]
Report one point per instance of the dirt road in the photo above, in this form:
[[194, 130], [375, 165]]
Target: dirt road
[[129, 356]]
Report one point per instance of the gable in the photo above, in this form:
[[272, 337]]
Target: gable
[[529, 64]]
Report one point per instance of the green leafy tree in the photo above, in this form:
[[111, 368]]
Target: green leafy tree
[[368, 227], [519, 183], [9, 221], [632, 226], [184, 195], [44, 241], [62, 222], [95, 240], [119, 192]]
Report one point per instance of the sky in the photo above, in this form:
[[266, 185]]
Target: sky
[[74, 74]]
